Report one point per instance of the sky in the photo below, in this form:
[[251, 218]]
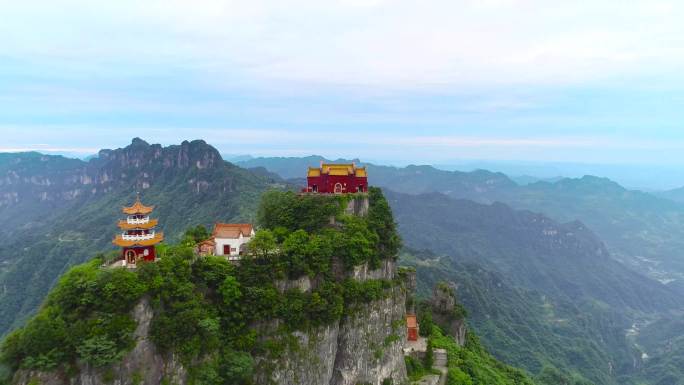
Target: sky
[[426, 81]]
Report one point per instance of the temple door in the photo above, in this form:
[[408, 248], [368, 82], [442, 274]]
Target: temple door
[[130, 257], [338, 188]]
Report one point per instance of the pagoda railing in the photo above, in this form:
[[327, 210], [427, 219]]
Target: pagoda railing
[[137, 221], [141, 237]]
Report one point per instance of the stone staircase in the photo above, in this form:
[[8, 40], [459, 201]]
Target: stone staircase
[[440, 363], [440, 356]]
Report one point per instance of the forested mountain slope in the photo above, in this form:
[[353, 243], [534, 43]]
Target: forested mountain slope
[[520, 326], [560, 259], [58, 212], [642, 230], [539, 292]]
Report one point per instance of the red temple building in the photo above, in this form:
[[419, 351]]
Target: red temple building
[[336, 179], [411, 327], [138, 235]]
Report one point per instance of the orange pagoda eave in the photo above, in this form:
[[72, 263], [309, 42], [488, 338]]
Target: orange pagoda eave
[[138, 208]]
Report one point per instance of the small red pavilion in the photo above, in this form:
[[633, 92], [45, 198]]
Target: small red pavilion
[[412, 327], [336, 179], [138, 235]]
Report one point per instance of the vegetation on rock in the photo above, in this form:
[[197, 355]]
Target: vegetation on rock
[[207, 310]]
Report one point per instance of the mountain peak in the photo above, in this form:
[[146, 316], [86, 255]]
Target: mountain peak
[[139, 142]]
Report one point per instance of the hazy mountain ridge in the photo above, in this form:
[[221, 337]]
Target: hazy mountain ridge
[[538, 292], [564, 260]]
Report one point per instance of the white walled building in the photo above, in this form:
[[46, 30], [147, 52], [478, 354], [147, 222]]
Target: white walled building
[[229, 239]]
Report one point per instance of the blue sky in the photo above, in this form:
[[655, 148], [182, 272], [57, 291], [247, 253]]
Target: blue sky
[[394, 81]]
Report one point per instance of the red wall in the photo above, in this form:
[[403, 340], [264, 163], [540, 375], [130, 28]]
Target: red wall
[[326, 183], [413, 334], [140, 251]]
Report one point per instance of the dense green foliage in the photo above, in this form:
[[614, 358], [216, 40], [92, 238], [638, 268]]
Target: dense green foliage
[[521, 328], [303, 233], [207, 308], [472, 365], [86, 317]]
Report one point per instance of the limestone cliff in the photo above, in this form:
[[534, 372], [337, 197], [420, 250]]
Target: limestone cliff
[[364, 347], [142, 365], [447, 312]]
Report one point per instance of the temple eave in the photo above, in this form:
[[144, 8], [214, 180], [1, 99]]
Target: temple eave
[[123, 225], [131, 243]]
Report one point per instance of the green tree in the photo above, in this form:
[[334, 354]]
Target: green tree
[[263, 245], [380, 219], [236, 366], [429, 358], [294, 253], [99, 351], [195, 235], [425, 323]]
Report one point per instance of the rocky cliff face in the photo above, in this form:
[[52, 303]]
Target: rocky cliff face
[[445, 311], [142, 365], [369, 344], [362, 348]]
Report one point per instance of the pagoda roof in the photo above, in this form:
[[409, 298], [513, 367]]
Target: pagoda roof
[[339, 169], [119, 241], [232, 230], [137, 208], [124, 225]]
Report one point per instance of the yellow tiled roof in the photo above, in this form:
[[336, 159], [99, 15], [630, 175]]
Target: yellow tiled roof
[[341, 169], [138, 208], [314, 171]]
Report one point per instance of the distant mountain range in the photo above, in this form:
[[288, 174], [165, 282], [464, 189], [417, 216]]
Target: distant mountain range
[[561, 273]]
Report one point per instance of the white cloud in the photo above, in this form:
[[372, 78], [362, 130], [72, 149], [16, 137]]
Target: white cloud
[[402, 44]]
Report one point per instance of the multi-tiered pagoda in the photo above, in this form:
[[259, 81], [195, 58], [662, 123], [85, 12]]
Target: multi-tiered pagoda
[[138, 235]]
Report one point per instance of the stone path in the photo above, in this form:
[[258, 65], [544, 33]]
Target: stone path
[[440, 364]]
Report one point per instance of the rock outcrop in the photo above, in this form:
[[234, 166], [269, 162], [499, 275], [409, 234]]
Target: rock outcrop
[[445, 311], [362, 348], [370, 344], [142, 365]]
